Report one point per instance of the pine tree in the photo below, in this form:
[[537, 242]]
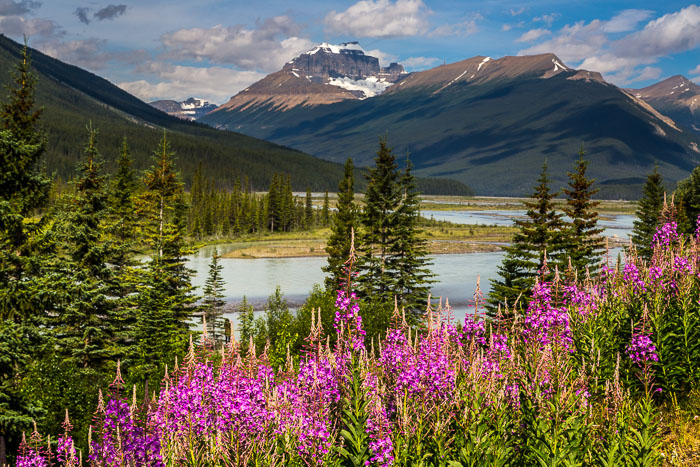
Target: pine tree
[[326, 211], [382, 200], [687, 197], [308, 211], [343, 222], [84, 325], [409, 251], [648, 212], [24, 252], [212, 302], [583, 241], [538, 242], [166, 296]]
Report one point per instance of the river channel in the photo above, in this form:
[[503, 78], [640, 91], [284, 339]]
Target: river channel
[[455, 274]]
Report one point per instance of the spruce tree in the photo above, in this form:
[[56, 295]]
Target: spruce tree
[[326, 211], [687, 197], [25, 287], [539, 237], [85, 324], [377, 279], [409, 251], [212, 301], [648, 212], [582, 237], [342, 224], [165, 298], [308, 211]]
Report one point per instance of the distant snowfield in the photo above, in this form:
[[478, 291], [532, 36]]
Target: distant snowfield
[[371, 86]]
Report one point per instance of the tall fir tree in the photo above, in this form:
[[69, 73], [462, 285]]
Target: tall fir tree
[[212, 300], [538, 241], [342, 224], [377, 279], [648, 212], [409, 251], [326, 211], [25, 251], [308, 210], [583, 242], [122, 225], [85, 326], [687, 198], [165, 298]]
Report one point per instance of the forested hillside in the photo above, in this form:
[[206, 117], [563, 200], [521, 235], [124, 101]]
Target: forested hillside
[[72, 98]]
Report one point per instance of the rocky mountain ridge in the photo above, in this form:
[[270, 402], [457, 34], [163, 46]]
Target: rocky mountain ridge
[[323, 75], [189, 109], [677, 97]]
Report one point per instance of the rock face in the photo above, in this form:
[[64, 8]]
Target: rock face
[[190, 109], [677, 97], [324, 75]]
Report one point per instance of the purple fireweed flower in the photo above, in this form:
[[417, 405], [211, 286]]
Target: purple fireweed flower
[[641, 349], [584, 300], [632, 276], [545, 323], [666, 234], [348, 319], [474, 331], [681, 265]]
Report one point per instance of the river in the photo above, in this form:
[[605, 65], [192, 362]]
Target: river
[[455, 274]]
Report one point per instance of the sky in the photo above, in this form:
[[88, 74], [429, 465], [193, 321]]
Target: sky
[[211, 49]]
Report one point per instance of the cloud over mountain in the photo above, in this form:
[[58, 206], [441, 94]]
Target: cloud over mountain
[[380, 18]]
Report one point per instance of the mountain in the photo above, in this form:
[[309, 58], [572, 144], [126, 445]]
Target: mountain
[[323, 75], [190, 109], [489, 123], [73, 97], [677, 97]]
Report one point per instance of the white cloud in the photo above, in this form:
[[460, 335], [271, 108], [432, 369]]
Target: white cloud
[[90, 53], [267, 47], [695, 71], [17, 26], [384, 58], [463, 29], [573, 43], [627, 59], [626, 20], [546, 19], [86, 53], [380, 18], [506, 27], [533, 35], [12, 8], [518, 11], [672, 33], [215, 84], [419, 63]]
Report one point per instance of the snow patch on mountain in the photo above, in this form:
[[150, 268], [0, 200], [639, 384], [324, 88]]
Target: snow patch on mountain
[[370, 87]]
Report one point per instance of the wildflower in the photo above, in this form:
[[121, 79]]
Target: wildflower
[[641, 349]]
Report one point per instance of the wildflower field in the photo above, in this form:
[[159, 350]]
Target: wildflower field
[[594, 372]]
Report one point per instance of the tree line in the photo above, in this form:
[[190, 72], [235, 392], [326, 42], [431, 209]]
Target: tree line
[[221, 213]]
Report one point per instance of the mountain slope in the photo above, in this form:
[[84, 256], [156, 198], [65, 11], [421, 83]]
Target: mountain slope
[[489, 123], [73, 97], [677, 97]]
